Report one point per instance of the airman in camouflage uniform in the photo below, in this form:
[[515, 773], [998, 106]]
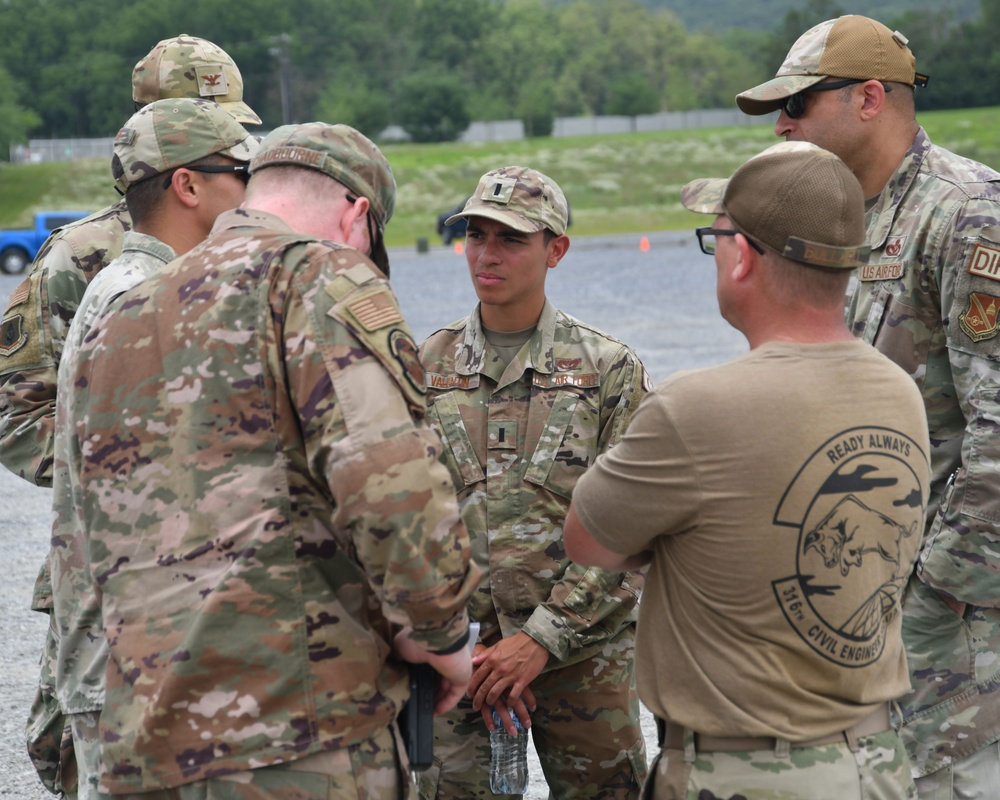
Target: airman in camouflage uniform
[[41, 309], [177, 137], [34, 326], [254, 411], [525, 397], [928, 299]]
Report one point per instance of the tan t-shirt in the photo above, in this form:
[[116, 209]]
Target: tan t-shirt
[[782, 495]]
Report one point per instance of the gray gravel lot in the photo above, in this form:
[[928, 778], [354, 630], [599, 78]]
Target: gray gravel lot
[[661, 301]]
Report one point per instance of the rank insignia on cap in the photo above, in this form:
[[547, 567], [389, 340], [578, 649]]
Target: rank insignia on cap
[[499, 191], [980, 321], [211, 80], [125, 136]]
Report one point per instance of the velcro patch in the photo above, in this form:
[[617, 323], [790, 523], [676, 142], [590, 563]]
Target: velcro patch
[[20, 294], [586, 380], [444, 382], [499, 191], [211, 80], [980, 320], [892, 271], [894, 246], [12, 335], [985, 262], [375, 311], [404, 350]]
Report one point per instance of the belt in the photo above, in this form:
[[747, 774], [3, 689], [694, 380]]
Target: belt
[[672, 736]]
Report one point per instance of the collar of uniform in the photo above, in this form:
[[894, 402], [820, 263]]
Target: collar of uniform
[[887, 207], [136, 242], [539, 345], [249, 217]]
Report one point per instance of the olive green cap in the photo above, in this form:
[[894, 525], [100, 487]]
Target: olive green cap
[[851, 47], [796, 199]]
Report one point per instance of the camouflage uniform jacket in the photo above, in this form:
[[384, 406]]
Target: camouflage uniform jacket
[[516, 441], [34, 328], [928, 299], [262, 505], [81, 646]]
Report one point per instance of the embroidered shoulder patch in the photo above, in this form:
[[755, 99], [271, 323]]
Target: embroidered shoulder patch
[[12, 335], [979, 322], [404, 350], [985, 262]]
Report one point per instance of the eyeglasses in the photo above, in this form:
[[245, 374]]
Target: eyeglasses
[[795, 106], [707, 243], [241, 171]]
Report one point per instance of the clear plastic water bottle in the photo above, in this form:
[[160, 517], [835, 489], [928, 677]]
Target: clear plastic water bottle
[[508, 757]]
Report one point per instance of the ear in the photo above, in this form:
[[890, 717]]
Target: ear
[[556, 250], [185, 188], [873, 99], [354, 227], [746, 261]]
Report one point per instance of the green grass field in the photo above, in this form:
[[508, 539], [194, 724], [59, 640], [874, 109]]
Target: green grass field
[[627, 183]]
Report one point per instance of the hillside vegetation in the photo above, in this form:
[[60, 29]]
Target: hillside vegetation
[[615, 184]]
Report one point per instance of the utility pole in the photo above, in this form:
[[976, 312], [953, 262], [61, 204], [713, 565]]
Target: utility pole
[[279, 50]]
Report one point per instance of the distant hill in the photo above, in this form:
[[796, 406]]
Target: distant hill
[[767, 15]]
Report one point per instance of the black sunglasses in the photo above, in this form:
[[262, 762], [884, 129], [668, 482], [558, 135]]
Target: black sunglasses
[[795, 106], [241, 171], [707, 244]]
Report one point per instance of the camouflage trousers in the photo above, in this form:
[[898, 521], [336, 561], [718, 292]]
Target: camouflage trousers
[[586, 732], [47, 731], [975, 777], [371, 770], [87, 750], [878, 770]]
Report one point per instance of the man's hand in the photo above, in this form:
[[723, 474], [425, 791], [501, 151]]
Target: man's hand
[[454, 669], [505, 670]]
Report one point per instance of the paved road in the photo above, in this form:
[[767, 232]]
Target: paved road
[[661, 301]]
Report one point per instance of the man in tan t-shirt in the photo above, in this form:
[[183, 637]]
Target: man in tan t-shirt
[[780, 501]]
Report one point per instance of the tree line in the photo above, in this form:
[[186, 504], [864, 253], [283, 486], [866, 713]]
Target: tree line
[[432, 66]]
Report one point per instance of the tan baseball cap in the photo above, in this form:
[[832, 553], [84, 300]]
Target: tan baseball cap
[[171, 133], [851, 46], [347, 156], [520, 197], [187, 66], [796, 199]]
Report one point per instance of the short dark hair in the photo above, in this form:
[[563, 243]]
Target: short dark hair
[[143, 198]]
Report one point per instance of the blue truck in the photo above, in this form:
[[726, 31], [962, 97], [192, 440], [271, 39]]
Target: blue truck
[[18, 248]]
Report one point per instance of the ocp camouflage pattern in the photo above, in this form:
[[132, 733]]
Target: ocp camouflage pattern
[[247, 411], [928, 299], [46, 302]]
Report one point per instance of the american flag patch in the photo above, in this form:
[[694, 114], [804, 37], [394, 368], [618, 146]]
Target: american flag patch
[[20, 294], [375, 311]]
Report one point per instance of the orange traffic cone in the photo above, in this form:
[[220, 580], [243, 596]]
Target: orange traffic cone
[[644, 244], [459, 247]]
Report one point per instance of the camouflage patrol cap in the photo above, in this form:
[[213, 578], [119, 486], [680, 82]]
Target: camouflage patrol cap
[[187, 66], [520, 197], [851, 46], [171, 133], [796, 199], [347, 156]]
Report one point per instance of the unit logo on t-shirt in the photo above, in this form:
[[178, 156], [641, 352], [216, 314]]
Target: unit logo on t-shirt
[[857, 507]]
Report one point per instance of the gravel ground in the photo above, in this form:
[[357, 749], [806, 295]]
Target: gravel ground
[[659, 300]]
